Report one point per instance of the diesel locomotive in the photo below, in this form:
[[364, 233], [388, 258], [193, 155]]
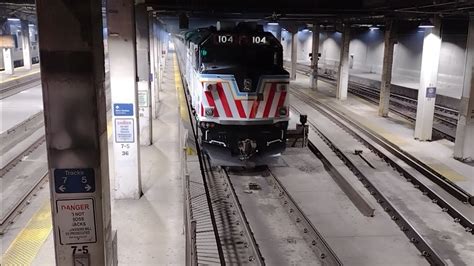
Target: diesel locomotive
[[238, 89]]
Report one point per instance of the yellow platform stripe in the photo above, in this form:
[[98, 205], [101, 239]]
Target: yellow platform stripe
[[183, 108], [19, 77], [109, 129], [447, 172], [179, 88], [28, 242]]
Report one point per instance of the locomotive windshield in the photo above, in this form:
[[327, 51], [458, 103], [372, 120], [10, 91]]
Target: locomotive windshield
[[258, 56], [263, 52]]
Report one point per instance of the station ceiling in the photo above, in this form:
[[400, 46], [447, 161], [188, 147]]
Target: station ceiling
[[284, 10]]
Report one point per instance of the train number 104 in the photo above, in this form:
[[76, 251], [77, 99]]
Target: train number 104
[[225, 39], [258, 40]]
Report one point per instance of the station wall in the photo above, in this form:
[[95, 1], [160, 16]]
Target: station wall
[[366, 56]]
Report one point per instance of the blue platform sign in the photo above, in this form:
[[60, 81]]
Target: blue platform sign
[[431, 92], [123, 109], [76, 180]]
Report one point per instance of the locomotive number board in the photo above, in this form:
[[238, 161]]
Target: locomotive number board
[[227, 39]]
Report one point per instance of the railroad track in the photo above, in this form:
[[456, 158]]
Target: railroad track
[[20, 86], [37, 183], [412, 169], [221, 232], [374, 138], [366, 175], [445, 119]]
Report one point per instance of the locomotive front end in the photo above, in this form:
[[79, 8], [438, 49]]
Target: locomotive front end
[[242, 100]]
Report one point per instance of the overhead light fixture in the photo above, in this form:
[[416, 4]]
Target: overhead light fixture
[[426, 25], [13, 19], [305, 30], [374, 27], [272, 24]]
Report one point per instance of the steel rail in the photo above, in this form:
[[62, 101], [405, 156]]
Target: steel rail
[[202, 168], [19, 87], [416, 164], [396, 101], [421, 167], [359, 201], [316, 241], [405, 226], [10, 165], [257, 257], [8, 219]]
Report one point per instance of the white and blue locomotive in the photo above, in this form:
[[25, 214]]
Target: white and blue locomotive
[[238, 89]]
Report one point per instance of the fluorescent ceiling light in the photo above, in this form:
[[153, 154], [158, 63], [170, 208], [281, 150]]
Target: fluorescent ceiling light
[[305, 30], [426, 25], [374, 27], [272, 24], [13, 19]]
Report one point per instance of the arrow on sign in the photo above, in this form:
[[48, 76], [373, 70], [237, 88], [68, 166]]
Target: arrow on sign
[[62, 188], [88, 188]]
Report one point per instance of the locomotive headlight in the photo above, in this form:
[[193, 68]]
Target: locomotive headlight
[[209, 111], [282, 87], [210, 87], [283, 111]]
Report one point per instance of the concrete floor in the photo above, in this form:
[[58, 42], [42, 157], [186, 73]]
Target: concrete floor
[[437, 154], [19, 72], [150, 230], [356, 239]]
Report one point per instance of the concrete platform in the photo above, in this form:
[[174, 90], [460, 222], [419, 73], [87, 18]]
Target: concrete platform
[[447, 92], [149, 230], [19, 72], [437, 154]]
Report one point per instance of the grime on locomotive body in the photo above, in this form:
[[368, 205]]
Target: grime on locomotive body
[[239, 90]]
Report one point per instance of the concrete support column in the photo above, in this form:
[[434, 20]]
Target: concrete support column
[[8, 61], [278, 32], [294, 53], [72, 74], [343, 73], [313, 78], [386, 81], [464, 145], [152, 45], [143, 74], [428, 82], [25, 42], [123, 85]]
